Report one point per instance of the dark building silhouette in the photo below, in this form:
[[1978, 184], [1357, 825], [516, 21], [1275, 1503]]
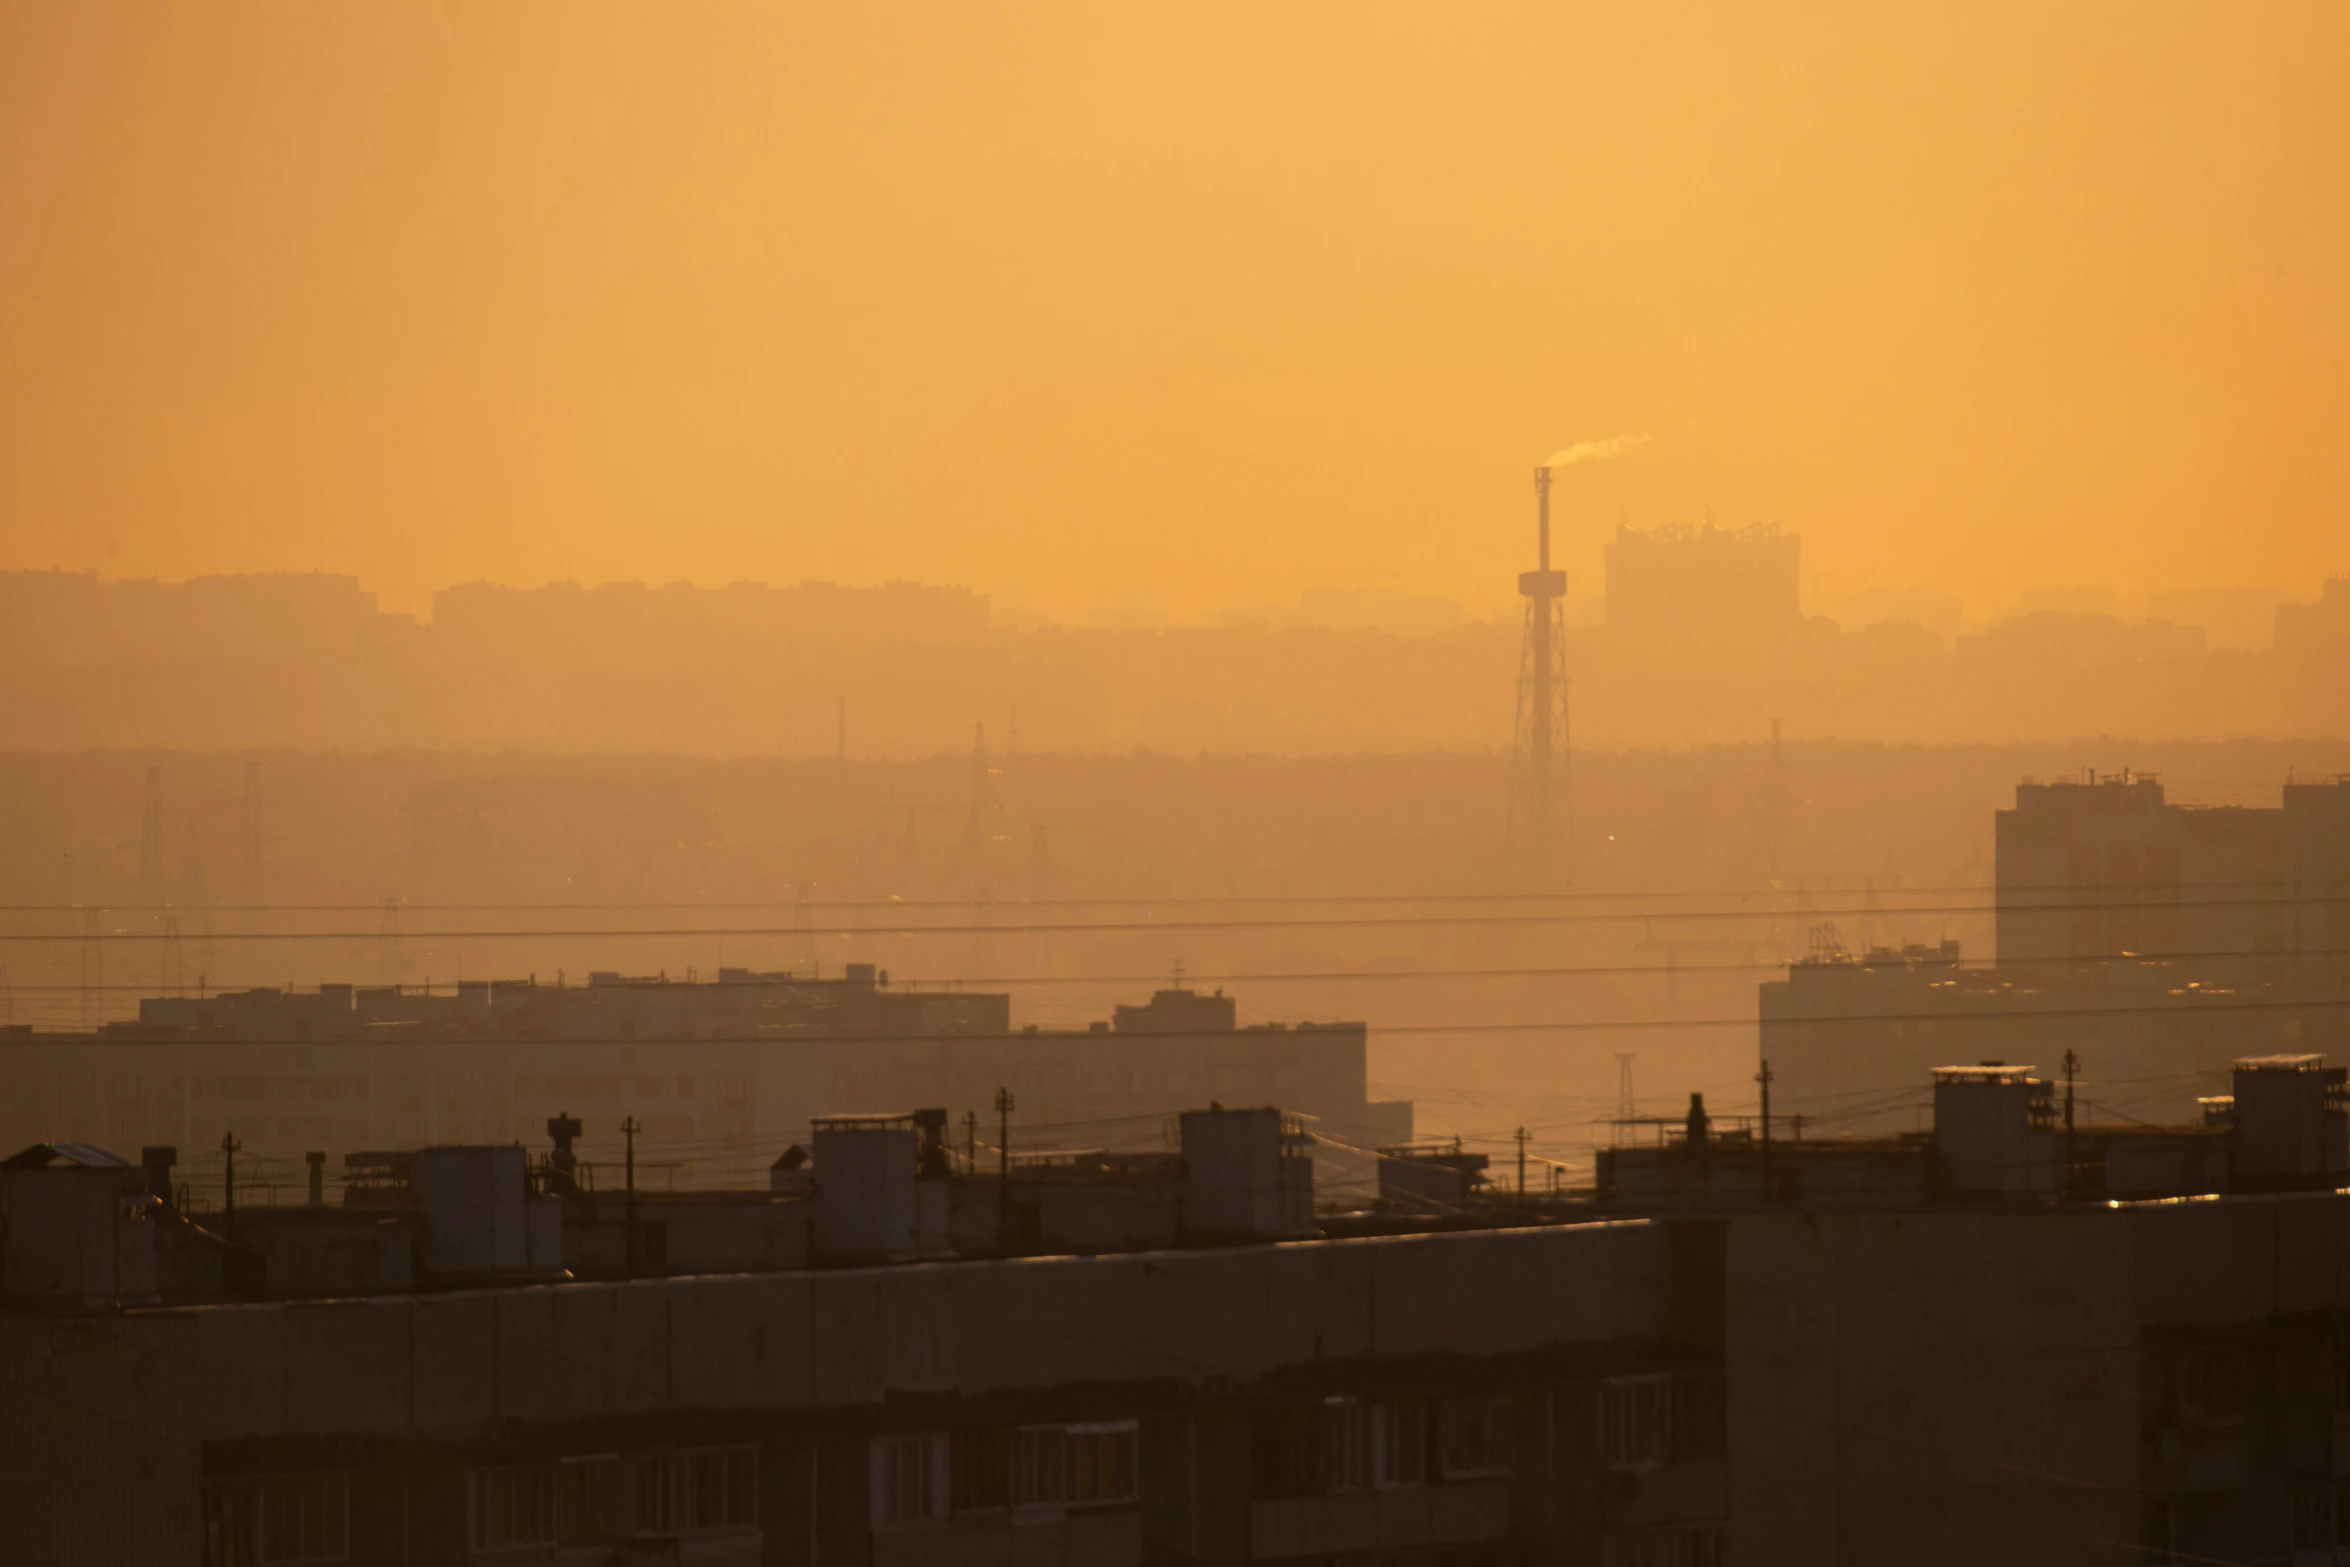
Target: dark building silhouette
[[2004, 1338], [2094, 868], [2154, 942], [711, 1070], [1708, 585]]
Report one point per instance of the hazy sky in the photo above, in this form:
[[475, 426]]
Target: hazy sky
[[1174, 307]]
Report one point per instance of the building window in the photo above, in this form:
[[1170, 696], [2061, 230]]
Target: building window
[[2212, 1382], [907, 1482], [726, 1486], [1346, 1444], [1635, 1421], [278, 1522], [699, 1491], [2313, 1520], [513, 1507], [584, 1492], [1284, 1450], [1699, 1415], [991, 1467], [1040, 1466], [1102, 1464], [2162, 1528], [981, 1465], [302, 1518], [1399, 1444], [2204, 1384], [1702, 1545], [1476, 1438]]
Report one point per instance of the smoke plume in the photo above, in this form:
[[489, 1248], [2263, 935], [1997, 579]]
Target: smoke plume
[[1590, 451]]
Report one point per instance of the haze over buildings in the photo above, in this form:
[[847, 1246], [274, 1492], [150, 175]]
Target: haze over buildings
[[1185, 315], [805, 785], [1703, 640]]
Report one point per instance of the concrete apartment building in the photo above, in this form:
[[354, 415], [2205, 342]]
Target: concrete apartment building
[[1221, 1396], [2015, 1339], [2154, 941], [711, 1071], [2090, 869], [1956, 1348]]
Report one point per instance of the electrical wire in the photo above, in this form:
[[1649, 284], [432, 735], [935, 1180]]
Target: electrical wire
[[1336, 976], [1121, 901], [1131, 927], [1531, 1025]]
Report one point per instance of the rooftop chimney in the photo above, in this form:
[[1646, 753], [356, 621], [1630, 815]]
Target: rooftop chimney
[[1995, 1131], [1246, 1173], [872, 1201], [2289, 1122]]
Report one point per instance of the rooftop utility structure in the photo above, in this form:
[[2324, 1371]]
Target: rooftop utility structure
[[716, 1070]]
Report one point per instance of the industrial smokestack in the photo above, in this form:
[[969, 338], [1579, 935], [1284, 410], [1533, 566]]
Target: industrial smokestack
[[1542, 685]]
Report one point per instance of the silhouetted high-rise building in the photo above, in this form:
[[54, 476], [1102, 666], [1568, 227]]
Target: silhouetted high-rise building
[[2155, 942], [1707, 585], [2093, 868]]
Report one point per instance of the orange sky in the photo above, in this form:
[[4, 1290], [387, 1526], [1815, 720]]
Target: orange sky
[[1173, 307]]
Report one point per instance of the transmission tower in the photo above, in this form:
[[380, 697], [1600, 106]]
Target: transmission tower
[[1626, 1106], [1542, 799]]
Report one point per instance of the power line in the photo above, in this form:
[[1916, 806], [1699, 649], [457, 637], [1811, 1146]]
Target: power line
[[1384, 1030], [1321, 976], [1140, 927], [1172, 901]]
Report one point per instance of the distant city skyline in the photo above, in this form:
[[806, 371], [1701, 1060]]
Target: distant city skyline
[[2236, 616], [1174, 318]]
